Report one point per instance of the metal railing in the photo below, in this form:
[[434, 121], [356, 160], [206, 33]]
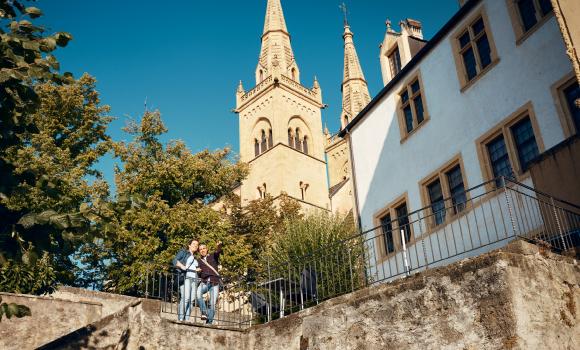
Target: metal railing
[[475, 221]]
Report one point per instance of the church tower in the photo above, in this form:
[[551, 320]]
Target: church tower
[[355, 97], [281, 134]]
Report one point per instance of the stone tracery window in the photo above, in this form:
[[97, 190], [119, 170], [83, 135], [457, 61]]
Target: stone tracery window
[[298, 141]]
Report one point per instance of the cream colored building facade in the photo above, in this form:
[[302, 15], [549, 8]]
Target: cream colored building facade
[[281, 134]]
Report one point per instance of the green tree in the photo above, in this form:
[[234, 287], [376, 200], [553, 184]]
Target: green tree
[[52, 174], [165, 196], [323, 244], [51, 133]]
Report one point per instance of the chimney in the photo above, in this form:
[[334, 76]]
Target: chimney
[[413, 28]]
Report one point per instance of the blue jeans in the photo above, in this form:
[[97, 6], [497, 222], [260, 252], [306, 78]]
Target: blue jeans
[[205, 287], [186, 293]]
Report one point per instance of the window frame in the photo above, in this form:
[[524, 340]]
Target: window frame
[[440, 174], [466, 26], [517, 22], [391, 209], [504, 128], [564, 113], [407, 87], [389, 54]]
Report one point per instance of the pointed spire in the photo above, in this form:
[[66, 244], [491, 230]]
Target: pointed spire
[[241, 90], [276, 48], [274, 18], [355, 92], [316, 85]]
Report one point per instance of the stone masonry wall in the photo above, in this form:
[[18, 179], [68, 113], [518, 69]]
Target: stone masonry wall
[[520, 297], [51, 318]]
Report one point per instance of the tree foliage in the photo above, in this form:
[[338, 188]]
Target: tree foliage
[[52, 132], [164, 197]]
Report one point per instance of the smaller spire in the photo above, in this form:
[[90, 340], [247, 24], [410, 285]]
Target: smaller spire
[[316, 85], [241, 90]]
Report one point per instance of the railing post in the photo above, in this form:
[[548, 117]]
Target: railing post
[[269, 291], [405, 259], [509, 207], [558, 224], [350, 262]]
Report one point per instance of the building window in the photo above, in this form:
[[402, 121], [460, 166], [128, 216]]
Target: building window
[[297, 143], [393, 219], [395, 62], [527, 16], [566, 92], [437, 203], [270, 139], [443, 191], [508, 149], [474, 50], [572, 95], [525, 142], [412, 109], [303, 188], [387, 229], [499, 158], [456, 189], [263, 144], [262, 191], [403, 221], [256, 147], [290, 138]]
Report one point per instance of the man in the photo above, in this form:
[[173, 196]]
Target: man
[[210, 281], [186, 266]]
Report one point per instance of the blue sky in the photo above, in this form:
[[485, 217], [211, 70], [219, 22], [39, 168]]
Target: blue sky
[[186, 57]]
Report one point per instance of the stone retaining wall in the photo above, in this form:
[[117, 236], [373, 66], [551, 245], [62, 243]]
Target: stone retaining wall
[[520, 297]]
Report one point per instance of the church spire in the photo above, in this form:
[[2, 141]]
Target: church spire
[[355, 92], [276, 50]]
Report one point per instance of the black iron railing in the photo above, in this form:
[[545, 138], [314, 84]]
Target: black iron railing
[[480, 219]]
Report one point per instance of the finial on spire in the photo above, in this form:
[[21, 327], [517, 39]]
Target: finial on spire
[[316, 85], [344, 10], [388, 23], [241, 88]]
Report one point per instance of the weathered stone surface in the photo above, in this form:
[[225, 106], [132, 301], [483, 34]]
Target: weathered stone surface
[[521, 297], [51, 318]]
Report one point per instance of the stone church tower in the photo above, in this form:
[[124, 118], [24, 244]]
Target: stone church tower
[[355, 97], [281, 134]]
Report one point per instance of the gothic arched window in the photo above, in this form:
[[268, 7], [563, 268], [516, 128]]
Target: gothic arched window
[[256, 147], [305, 145], [293, 73], [264, 142], [290, 138], [297, 143], [270, 139], [261, 75]]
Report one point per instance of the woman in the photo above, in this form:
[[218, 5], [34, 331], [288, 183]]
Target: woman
[[186, 266]]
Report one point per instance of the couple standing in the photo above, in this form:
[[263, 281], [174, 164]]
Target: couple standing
[[202, 269]]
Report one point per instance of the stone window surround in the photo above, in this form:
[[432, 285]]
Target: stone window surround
[[379, 235], [503, 127], [401, 115], [440, 174], [564, 114], [465, 83], [518, 26]]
